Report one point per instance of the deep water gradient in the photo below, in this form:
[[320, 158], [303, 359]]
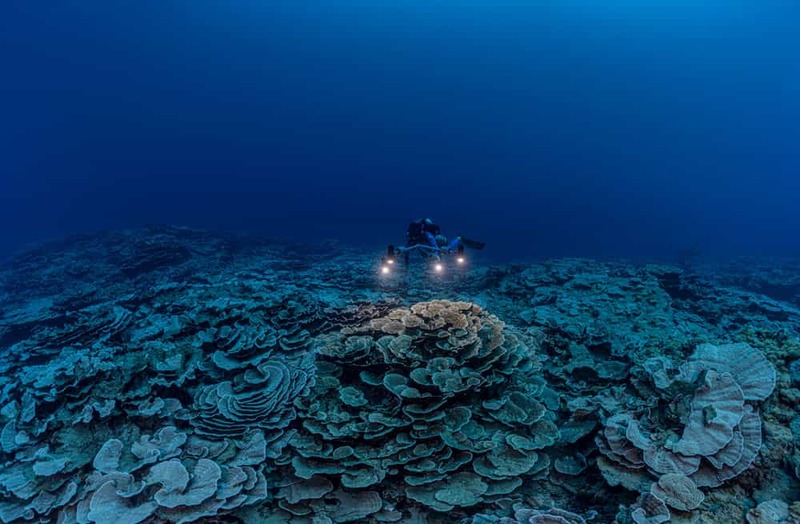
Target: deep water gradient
[[592, 128]]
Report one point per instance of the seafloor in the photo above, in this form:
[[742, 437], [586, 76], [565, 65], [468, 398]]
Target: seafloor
[[174, 375]]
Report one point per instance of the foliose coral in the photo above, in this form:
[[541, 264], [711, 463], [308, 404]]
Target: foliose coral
[[171, 375], [437, 406], [524, 515], [132, 413], [700, 429]]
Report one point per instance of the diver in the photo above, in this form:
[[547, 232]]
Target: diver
[[426, 237]]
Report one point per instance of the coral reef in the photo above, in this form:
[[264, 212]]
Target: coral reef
[[523, 515], [437, 404], [173, 375], [697, 426]]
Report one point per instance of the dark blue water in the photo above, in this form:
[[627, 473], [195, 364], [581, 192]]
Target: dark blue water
[[592, 128]]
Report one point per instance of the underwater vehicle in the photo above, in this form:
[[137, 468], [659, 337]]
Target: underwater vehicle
[[440, 260], [425, 237]]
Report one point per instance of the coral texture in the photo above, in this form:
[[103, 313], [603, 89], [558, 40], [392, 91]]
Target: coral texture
[[438, 404], [173, 375]]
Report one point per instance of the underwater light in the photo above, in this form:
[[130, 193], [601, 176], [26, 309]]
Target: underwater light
[[460, 260], [390, 261], [385, 270], [438, 268]]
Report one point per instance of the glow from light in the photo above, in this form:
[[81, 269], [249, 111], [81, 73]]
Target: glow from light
[[385, 270], [390, 261], [438, 268], [460, 260]]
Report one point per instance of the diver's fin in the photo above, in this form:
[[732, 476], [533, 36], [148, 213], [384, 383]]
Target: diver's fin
[[473, 244]]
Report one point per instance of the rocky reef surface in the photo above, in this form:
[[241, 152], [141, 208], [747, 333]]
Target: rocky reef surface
[[174, 375]]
